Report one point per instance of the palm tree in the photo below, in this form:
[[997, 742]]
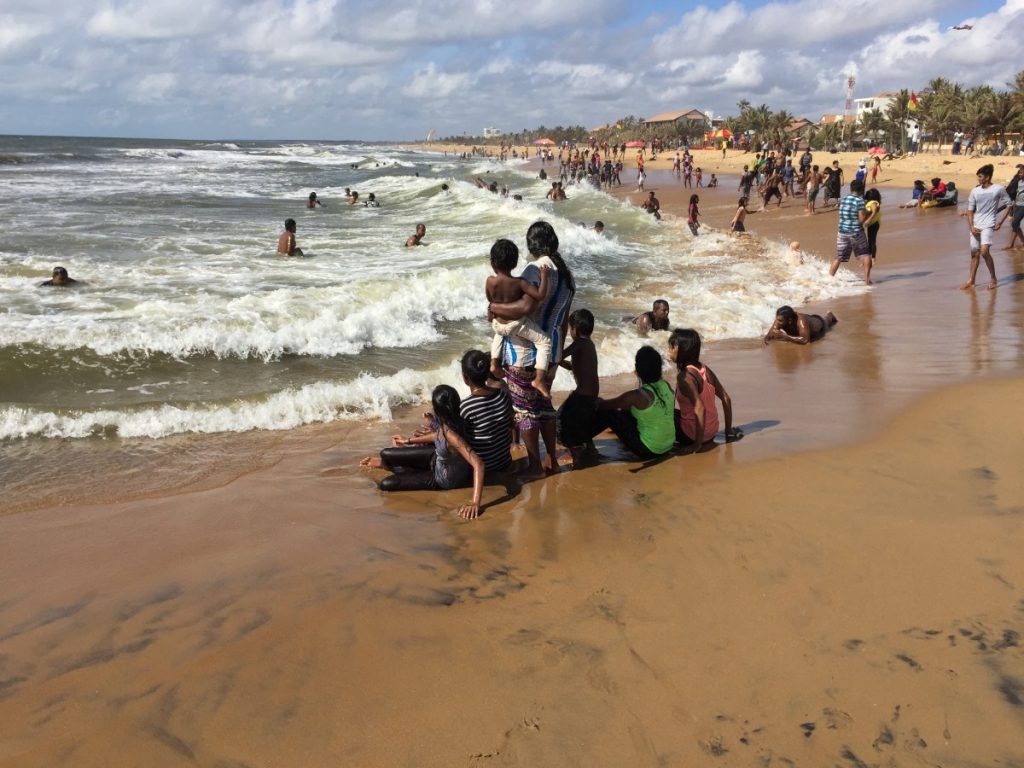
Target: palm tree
[[829, 135], [897, 113], [871, 123], [778, 127]]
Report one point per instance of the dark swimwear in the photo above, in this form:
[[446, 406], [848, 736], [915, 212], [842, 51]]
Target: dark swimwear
[[817, 326]]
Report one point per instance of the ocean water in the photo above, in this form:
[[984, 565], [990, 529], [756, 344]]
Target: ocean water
[[186, 320]]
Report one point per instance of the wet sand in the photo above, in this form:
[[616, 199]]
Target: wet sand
[[843, 586]]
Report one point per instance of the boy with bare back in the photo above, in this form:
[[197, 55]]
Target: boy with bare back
[[503, 288]]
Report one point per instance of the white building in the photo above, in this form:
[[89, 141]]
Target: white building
[[492, 133], [879, 102]]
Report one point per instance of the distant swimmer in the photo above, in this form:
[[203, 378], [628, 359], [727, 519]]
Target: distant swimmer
[[492, 187], [353, 199], [655, 320], [60, 279], [313, 202], [348, 193], [286, 242], [371, 201], [599, 227], [799, 328], [417, 239]]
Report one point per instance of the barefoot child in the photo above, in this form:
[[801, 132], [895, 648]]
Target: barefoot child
[[693, 214], [696, 390], [502, 288], [736, 225], [576, 416]]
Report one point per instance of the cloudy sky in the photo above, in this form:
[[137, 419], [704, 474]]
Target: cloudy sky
[[392, 70]]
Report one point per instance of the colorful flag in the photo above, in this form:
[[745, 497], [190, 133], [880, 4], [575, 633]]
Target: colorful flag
[[913, 101]]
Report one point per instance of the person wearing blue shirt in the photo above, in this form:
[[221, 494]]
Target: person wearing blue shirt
[[851, 238]]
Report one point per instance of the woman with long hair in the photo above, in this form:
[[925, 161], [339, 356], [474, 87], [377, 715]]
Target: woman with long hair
[[438, 459], [534, 413], [696, 390]]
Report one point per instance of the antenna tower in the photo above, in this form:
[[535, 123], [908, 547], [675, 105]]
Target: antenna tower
[[848, 109]]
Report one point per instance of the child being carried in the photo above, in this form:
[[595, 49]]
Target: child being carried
[[503, 288]]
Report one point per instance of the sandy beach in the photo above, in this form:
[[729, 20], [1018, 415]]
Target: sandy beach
[[842, 587]]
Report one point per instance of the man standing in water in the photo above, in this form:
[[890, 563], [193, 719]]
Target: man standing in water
[[851, 238], [286, 242], [417, 239], [983, 207]]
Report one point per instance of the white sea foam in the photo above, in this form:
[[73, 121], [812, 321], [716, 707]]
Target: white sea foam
[[323, 401], [178, 257]]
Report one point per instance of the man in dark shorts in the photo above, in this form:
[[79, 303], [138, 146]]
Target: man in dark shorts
[[652, 205], [771, 189], [797, 327]]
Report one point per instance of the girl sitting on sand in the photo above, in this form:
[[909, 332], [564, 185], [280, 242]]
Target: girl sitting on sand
[[438, 459], [696, 390], [643, 418]]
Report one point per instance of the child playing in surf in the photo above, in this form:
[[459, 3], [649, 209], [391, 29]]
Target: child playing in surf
[[576, 417], [693, 214], [696, 390], [741, 213], [502, 288]]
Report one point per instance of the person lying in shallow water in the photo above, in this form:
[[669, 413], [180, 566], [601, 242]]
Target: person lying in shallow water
[[799, 328]]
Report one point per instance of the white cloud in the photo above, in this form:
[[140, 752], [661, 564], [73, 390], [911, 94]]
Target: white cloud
[[429, 83], [155, 20], [388, 68]]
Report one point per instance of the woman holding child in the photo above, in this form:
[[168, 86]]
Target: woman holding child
[[534, 414]]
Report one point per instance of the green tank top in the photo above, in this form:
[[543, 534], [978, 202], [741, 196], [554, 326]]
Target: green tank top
[[656, 423]]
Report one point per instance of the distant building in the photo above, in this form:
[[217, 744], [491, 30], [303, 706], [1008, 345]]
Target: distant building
[[493, 133], [681, 117], [880, 102], [829, 119]]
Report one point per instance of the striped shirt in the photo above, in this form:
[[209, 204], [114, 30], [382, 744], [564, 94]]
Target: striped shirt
[[489, 420], [849, 207]]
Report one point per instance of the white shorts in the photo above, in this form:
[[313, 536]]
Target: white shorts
[[985, 238]]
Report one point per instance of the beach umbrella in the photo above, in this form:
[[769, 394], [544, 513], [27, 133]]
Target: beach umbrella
[[877, 151], [545, 142], [636, 144], [722, 133]]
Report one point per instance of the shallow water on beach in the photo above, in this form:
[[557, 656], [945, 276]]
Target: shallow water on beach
[[187, 321]]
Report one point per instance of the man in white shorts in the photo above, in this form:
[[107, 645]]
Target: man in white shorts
[[983, 207]]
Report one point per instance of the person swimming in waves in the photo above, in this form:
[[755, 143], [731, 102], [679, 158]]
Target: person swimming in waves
[[655, 320], [60, 279], [417, 239]]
